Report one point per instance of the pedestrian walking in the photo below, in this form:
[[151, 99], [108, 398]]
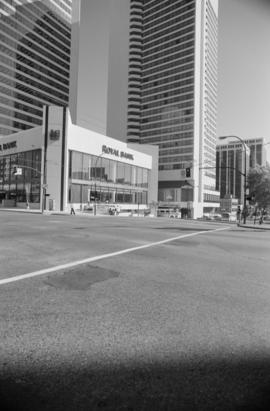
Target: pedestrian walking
[[261, 217], [238, 215], [72, 210], [255, 217]]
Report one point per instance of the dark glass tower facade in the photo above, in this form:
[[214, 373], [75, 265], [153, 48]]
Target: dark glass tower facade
[[34, 60]]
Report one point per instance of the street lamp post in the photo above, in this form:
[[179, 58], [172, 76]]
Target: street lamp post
[[245, 173]]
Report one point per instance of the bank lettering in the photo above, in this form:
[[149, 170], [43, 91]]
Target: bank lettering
[[7, 146], [117, 153]]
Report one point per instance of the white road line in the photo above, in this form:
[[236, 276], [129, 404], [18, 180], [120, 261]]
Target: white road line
[[101, 257]]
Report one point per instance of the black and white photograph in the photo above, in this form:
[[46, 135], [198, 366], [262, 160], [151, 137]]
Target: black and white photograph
[[134, 205]]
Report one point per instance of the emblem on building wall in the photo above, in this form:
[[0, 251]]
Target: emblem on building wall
[[54, 135]]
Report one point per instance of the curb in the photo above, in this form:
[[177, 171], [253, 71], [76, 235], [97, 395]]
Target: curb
[[255, 227]]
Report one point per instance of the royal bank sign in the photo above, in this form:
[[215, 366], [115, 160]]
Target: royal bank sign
[[117, 153], [8, 146]]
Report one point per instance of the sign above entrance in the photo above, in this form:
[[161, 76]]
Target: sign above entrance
[[117, 153], [7, 146]]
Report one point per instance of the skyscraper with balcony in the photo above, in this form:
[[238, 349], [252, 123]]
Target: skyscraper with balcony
[[172, 95], [35, 39]]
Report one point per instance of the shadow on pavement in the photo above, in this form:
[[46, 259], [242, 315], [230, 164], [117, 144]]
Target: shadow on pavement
[[242, 384]]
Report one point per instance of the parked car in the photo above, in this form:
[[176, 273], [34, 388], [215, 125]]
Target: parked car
[[212, 216], [175, 215], [228, 216]]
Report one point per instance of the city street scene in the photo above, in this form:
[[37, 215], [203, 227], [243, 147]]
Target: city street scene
[[120, 313], [134, 205]]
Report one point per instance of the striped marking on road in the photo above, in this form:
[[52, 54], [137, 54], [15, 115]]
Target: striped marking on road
[[102, 257]]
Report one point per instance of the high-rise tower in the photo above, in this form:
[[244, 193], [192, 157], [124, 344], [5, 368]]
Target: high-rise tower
[[146, 71], [34, 60], [172, 95]]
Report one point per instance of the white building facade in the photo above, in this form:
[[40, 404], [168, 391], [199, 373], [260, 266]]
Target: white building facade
[[61, 164]]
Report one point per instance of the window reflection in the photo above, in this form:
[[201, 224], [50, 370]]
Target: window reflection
[[104, 180], [24, 187]]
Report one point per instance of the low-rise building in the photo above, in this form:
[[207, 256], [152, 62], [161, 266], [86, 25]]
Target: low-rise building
[[59, 164]]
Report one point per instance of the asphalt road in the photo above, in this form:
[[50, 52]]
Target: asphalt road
[[180, 322]]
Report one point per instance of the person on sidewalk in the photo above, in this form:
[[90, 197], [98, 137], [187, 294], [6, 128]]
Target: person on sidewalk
[[255, 216], [238, 215], [72, 210], [261, 217]]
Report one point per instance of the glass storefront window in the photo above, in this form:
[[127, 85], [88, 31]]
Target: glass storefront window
[[144, 178], [111, 172], [107, 176], [75, 193], [13, 162], [141, 197], [139, 177], [133, 175], [186, 194], [123, 196], [86, 167], [76, 172], [24, 187], [36, 163], [106, 196], [120, 173], [86, 190], [6, 170], [127, 174]]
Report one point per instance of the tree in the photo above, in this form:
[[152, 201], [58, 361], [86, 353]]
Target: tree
[[259, 185]]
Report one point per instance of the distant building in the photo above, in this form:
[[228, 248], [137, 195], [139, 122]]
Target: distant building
[[35, 39], [257, 152], [228, 204], [231, 165]]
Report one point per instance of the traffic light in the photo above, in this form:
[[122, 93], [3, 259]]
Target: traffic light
[[188, 172], [250, 197]]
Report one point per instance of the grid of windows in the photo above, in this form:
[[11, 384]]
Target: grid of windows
[[165, 92], [24, 187], [210, 95], [109, 180], [34, 60]]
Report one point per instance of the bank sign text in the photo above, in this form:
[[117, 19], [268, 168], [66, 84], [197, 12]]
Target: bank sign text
[[117, 153]]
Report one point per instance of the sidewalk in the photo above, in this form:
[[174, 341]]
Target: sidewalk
[[21, 210], [257, 226]]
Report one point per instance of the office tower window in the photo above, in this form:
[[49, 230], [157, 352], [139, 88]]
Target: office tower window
[[34, 60]]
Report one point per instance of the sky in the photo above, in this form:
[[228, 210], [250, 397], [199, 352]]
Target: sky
[[244, 69]]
